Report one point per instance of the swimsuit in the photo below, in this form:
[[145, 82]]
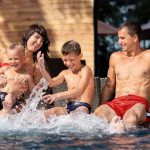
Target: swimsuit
[[2, 98], [72, 105], [148, 117], [122, 104], [4, 64]]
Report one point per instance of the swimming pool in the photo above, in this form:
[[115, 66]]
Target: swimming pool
[[65, 133], [28, 130]]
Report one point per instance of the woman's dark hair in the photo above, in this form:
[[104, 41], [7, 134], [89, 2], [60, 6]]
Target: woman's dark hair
[[40, 30]]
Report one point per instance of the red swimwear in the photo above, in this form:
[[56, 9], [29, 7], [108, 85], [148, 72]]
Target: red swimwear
[[122, 104], [4, 64]]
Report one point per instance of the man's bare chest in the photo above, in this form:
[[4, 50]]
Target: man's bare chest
[[134, 69]]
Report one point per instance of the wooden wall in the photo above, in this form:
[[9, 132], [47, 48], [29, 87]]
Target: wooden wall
[[64, 20]]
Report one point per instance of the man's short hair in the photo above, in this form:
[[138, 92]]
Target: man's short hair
[[133, 28]]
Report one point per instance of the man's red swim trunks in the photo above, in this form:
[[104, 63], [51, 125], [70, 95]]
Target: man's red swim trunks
[[122, 104]]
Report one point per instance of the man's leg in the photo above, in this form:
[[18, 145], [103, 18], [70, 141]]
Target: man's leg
[[106, 112], [134, 116]]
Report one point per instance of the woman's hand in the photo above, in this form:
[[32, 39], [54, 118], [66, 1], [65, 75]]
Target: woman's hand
[[41, 61]]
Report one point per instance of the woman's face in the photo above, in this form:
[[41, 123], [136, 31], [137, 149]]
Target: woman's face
[[35, 42]]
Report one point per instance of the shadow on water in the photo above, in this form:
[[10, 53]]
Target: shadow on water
[[28, 130]]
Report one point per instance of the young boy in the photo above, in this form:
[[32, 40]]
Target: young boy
[[79, 79], [17, 82]]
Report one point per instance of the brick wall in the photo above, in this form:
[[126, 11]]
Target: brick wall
[[64, 20]]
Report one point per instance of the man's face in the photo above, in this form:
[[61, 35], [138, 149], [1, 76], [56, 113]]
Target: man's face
[[125, 40]]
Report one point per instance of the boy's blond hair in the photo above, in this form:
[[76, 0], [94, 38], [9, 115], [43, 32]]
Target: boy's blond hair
[[16, 46]]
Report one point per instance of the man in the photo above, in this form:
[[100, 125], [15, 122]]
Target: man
[[129, 77]]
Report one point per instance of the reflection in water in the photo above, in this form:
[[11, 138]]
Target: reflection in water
[[28, 130], [134, 140]]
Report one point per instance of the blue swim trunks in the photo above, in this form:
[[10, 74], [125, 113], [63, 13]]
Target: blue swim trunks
[[72, 105], [2, 98]]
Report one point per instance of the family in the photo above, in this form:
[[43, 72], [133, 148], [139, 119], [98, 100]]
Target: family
[[24, 64]]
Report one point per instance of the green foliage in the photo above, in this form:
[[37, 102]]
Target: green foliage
[[117, 11]]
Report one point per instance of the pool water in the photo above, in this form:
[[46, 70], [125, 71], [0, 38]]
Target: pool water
[[67, 136], [29, 130]]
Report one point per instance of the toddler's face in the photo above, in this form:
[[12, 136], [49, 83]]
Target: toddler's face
[[15, 59]]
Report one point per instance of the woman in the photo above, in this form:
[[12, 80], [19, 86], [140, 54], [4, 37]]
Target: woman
[[35, 39]]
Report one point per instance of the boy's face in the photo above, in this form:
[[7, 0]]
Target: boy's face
[[15, 59], [35, 42], [72, 61]]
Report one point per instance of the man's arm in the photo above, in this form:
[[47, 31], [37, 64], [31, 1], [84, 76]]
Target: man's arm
[[109, 87]]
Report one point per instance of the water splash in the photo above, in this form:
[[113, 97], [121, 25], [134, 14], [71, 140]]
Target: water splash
[[29, 116], [76, 124]]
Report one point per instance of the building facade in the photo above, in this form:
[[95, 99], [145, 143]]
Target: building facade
[[64, 20]]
